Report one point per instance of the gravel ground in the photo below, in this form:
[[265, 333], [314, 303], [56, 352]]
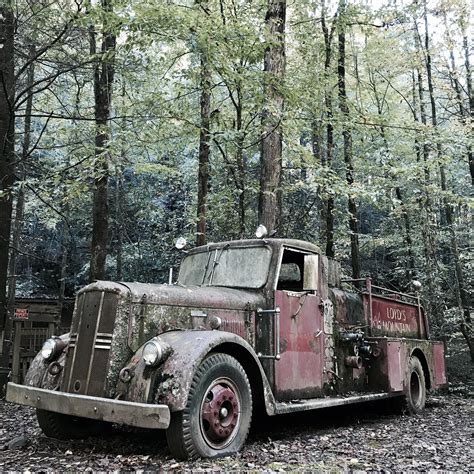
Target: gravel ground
[[360, 438]]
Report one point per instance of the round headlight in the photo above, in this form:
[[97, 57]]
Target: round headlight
[[49, 349], [152, 353]]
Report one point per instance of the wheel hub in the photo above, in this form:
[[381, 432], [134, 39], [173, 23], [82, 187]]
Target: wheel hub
[[220, 412]]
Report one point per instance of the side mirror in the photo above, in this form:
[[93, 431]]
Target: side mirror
[[311, 273]]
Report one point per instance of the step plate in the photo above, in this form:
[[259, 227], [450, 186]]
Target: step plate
[[316, 403]]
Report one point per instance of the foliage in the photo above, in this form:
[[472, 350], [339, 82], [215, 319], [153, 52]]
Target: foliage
[[155, 133]]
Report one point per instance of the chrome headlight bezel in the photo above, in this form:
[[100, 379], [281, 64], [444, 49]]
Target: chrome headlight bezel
[[51, 348], [152, 353]]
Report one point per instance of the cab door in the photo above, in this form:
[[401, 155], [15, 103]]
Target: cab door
[[298, 373]]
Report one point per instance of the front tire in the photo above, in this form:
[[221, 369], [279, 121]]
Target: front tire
[[218, 412], [60, 426]]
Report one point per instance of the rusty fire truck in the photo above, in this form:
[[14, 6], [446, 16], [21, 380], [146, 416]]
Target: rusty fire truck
[[250, 325]]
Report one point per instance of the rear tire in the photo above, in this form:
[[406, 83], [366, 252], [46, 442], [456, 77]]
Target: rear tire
[[414, 399], [218, 412], [59, 426]]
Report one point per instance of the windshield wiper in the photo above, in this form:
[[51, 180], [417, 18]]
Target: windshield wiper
[[207, 265], [216, 262]]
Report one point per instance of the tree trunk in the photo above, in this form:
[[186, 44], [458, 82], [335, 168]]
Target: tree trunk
[[462, 291], [347, 138], [20, 203], [425, 204], [64, 267], [103, 81], [119, 197], [466, 331], [7, 149], [470, 95], [269, 206], [204, 149], [329, 211], [240, 161], [467, 66]]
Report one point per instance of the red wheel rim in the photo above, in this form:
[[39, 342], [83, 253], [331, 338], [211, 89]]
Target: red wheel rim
[[220, 413]]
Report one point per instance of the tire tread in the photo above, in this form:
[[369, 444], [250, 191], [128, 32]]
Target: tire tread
[[179, 434]]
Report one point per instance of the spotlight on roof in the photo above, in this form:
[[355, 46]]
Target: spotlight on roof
[[180, 243], [261, 231]]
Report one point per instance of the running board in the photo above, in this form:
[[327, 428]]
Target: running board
[[315, 403]]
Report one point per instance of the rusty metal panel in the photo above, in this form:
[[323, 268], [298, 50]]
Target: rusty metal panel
[[396, 365], [439, 368], [299, 372], [394, 318], [71, 351], [189, 348], [388, 370], [349, 310], [82, 342], [234, 325]]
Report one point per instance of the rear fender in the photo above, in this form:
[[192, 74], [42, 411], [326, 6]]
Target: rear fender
[[169, 383]]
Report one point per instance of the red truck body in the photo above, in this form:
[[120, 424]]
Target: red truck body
[[253, 324]]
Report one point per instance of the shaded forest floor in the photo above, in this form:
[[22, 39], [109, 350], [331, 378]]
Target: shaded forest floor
[[459, 367], [365, 437]]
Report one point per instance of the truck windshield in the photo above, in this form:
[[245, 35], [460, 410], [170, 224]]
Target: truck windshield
[[227, 266]]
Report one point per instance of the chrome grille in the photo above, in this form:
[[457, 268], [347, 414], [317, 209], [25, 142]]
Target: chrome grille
[[90, 342], [103, 340]]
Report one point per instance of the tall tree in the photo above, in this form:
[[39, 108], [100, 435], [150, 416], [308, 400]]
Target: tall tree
[[204, 148], [104, 69], [7, 158], [347, 139], [269, 209], [328, 33], [20, 200]]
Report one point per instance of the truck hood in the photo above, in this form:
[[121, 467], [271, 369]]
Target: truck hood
[[187, 296]]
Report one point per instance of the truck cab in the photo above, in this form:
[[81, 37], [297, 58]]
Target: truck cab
[[249, 325]]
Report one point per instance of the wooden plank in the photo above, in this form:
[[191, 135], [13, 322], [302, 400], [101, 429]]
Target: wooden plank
[[16, 353]]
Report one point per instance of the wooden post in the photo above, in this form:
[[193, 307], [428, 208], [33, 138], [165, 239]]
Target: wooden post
[[51, 329], [16, 352]]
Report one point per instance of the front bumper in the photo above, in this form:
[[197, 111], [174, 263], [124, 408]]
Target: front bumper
[[141, 415]]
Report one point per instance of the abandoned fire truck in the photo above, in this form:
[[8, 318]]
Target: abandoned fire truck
[[250, 325]]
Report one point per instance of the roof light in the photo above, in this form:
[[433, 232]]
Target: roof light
[[261, 231]]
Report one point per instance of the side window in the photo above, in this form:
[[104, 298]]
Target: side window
[[291, 271]]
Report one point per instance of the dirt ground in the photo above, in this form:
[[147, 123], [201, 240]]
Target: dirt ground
[[361, 438]]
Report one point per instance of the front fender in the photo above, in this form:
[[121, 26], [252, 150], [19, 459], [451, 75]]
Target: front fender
[[38, 374], [169, 384]]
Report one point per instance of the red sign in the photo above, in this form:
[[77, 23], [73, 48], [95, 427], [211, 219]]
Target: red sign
[[21, 313], [395, 318]]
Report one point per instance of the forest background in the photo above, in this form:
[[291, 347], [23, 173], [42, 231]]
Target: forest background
[[126, 124]]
